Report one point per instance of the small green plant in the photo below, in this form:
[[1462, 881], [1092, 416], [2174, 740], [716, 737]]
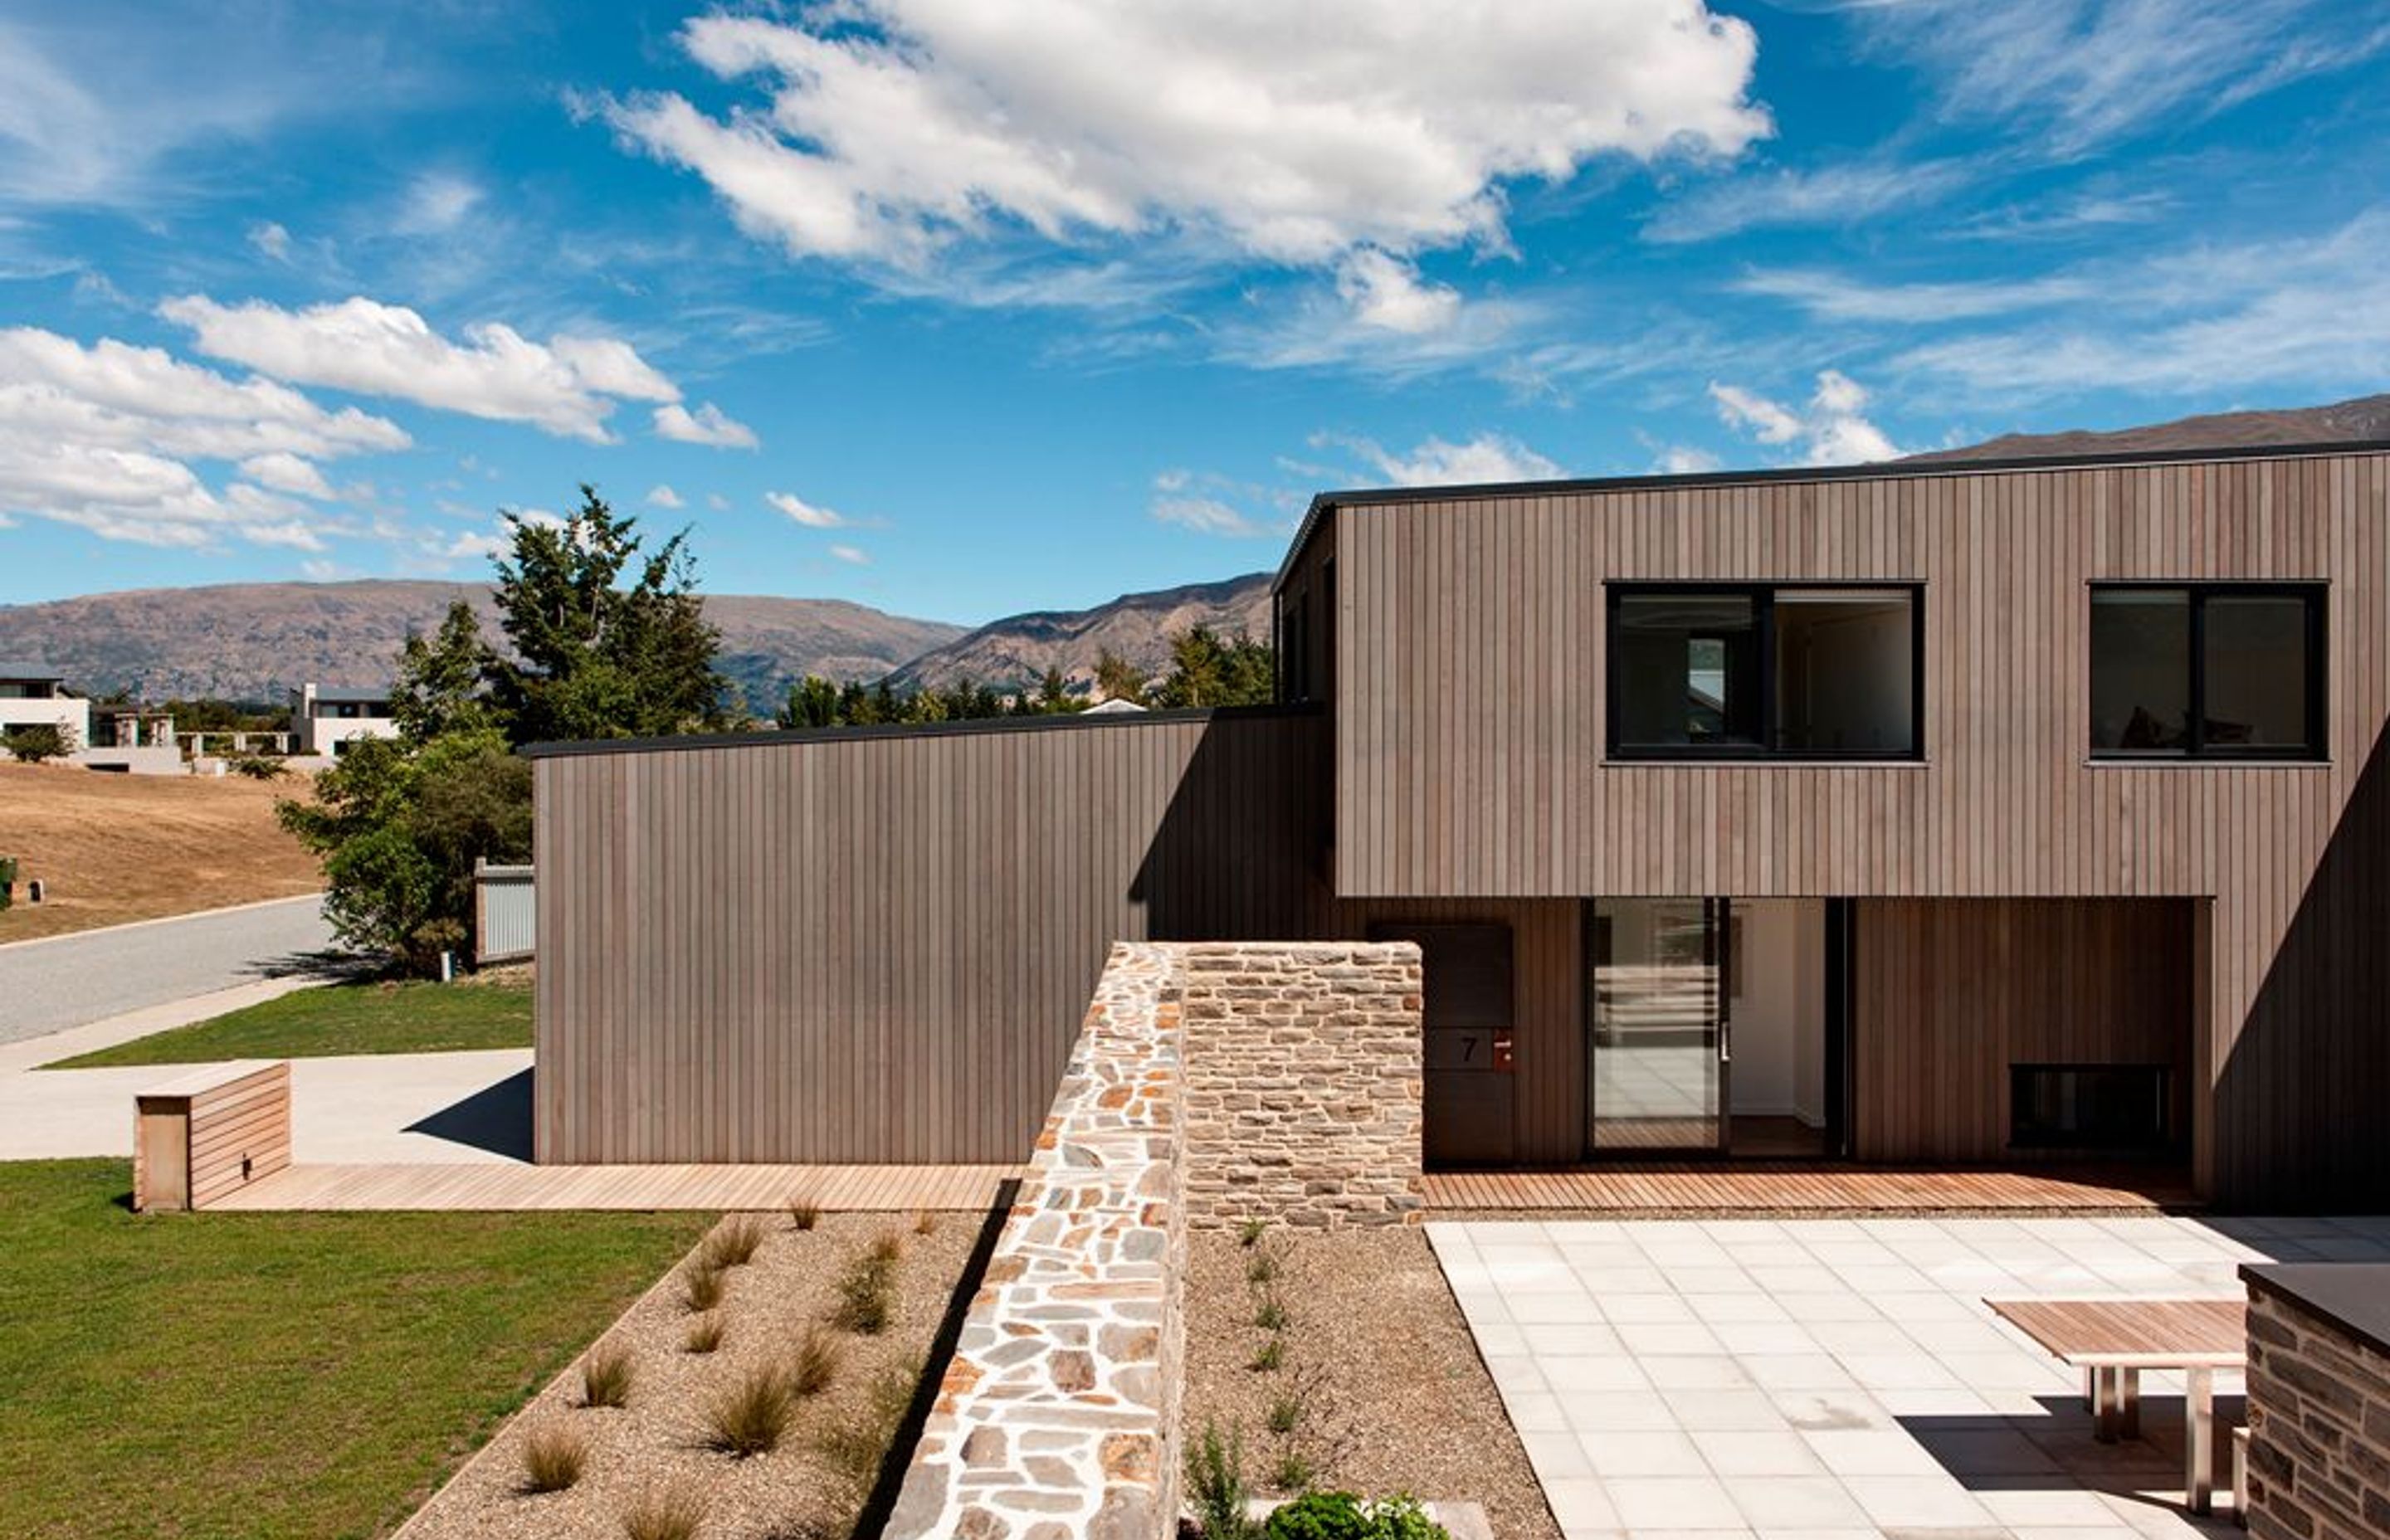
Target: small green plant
[[1215, 1484], [804, 1213], [1343, 1516], [670, 1513], [1249, 1233], [553, 1458], [704, 1335], [259, 767], [1285, 1413], [1402, 1518], [751, 1416], [867, 1293], [703, 1289], [857, 1444], [1270, 1316], [732, 1244], [816, 1365], [606, 1378], [1269, 1356], [1262, 1269], [1293, 1472]]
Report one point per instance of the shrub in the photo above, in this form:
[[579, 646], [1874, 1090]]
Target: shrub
[[750, 1417], [673, 1513], [259, 767], [816, 1364], [732, 1244], [553, 1458], [704, 1335], [1321, 1516], [867, 1294], [703, 1289], [804, 1213], [1404, 1518], [1215, 1484], [38, 742], [606, 1378]]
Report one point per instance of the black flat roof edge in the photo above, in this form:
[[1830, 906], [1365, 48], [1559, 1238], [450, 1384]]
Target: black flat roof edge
[[971, 726], [1471, 491]]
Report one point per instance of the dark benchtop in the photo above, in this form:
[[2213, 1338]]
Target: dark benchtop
[[2354, 1296]]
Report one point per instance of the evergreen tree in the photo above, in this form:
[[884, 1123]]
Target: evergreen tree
[[1206, 669], [440, 679], [1118, 679], [813, 701]]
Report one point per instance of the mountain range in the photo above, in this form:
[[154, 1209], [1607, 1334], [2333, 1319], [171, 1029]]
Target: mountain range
[[253, 641]]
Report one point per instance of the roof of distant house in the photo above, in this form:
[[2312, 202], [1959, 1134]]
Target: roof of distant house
[[353, 694], [21, 671]]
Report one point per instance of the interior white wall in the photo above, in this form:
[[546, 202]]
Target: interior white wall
[[1847, 676], [1780, 1010]]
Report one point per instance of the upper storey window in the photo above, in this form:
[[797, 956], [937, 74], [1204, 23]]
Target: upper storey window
[[2211, 671], [1758, 671]]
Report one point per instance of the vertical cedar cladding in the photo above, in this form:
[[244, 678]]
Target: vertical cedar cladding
[[1470, 752], [880, 949]]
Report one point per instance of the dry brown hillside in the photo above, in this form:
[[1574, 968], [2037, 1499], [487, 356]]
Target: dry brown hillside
[[114, 848]]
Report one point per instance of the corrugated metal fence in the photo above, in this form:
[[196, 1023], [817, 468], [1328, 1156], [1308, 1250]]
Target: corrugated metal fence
[[506, 913]]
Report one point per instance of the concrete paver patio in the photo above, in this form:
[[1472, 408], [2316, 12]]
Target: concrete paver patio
[[1813, 1379]]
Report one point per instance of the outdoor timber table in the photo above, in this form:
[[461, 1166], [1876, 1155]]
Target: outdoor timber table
[[2113, 1341]]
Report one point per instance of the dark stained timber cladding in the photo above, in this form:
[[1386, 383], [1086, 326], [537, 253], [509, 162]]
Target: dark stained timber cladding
[[1470, 757], [881, 949]]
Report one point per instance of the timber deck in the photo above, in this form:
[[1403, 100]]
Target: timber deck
[[497, 1188], [1693, 1189]]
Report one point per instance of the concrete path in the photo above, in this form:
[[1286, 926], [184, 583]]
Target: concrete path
[[368, 1109], [61, 982], [1758, 1378]]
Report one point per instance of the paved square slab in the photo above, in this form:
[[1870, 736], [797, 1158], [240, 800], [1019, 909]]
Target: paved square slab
[[1841, 1377]]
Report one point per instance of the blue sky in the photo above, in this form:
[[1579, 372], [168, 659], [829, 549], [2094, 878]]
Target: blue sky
[[957, 308]]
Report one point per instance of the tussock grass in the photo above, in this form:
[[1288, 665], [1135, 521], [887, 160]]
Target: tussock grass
[[553, 1459], [704, 1335], [816, 1365], [732, 1244], [752, 1417], [703, 1288], [606, 1376], [804, 1213], [887, 1248], [667, 1513], [867, 1293]]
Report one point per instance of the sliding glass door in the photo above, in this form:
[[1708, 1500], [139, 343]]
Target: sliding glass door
[[1659, 1059]]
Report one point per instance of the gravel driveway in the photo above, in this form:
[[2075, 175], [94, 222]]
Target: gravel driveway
[[63, 982]]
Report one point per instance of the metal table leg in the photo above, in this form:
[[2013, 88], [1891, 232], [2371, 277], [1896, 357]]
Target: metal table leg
[[2129, 1403]]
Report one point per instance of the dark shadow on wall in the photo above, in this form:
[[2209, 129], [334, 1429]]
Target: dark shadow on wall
[[496, 1118], [1239, 852], [2304, 1097]]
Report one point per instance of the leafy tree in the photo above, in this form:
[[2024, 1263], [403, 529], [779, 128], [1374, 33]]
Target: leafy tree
[[813, 701], [38, 741], [1208, 670], [1118, 679], [441, 679], [1054, 697], [609, 639], [398, 825]]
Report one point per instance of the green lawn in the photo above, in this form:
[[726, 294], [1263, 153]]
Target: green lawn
[[337, 1019], [269, 1376]]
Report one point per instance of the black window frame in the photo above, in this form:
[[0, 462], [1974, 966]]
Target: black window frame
[[1763, 610], [2315, 593]]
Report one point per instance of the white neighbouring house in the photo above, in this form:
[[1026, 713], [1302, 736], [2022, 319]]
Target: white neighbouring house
[[32, 695], [325, 718]]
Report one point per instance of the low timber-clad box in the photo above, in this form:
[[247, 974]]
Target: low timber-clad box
[[209, 1134]]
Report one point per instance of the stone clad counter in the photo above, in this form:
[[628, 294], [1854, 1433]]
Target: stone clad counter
[[2318, 1401]]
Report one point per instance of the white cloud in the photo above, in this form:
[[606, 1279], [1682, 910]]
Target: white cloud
[[1682, 459], [2075, 74], [476, 542], [284, 471], [1831, 430], [1388, 293], [811, 516], [717, 501], [1293, 134], [103, 436], [271, 239], [707, 426], [1834, 298], [564, 386], [661, 496], [437, 203], [853, 554], [1439, 462], [1206, 515], [1841, 195]]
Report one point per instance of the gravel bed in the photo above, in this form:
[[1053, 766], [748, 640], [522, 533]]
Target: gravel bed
[[1393, 1396], [655, 1443]]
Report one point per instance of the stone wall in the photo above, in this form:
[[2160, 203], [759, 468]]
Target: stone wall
[[1303, 1083], [2319, 1425], [1210, 1084]]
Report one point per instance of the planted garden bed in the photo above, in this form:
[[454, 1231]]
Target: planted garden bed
[[1339, 1361]]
